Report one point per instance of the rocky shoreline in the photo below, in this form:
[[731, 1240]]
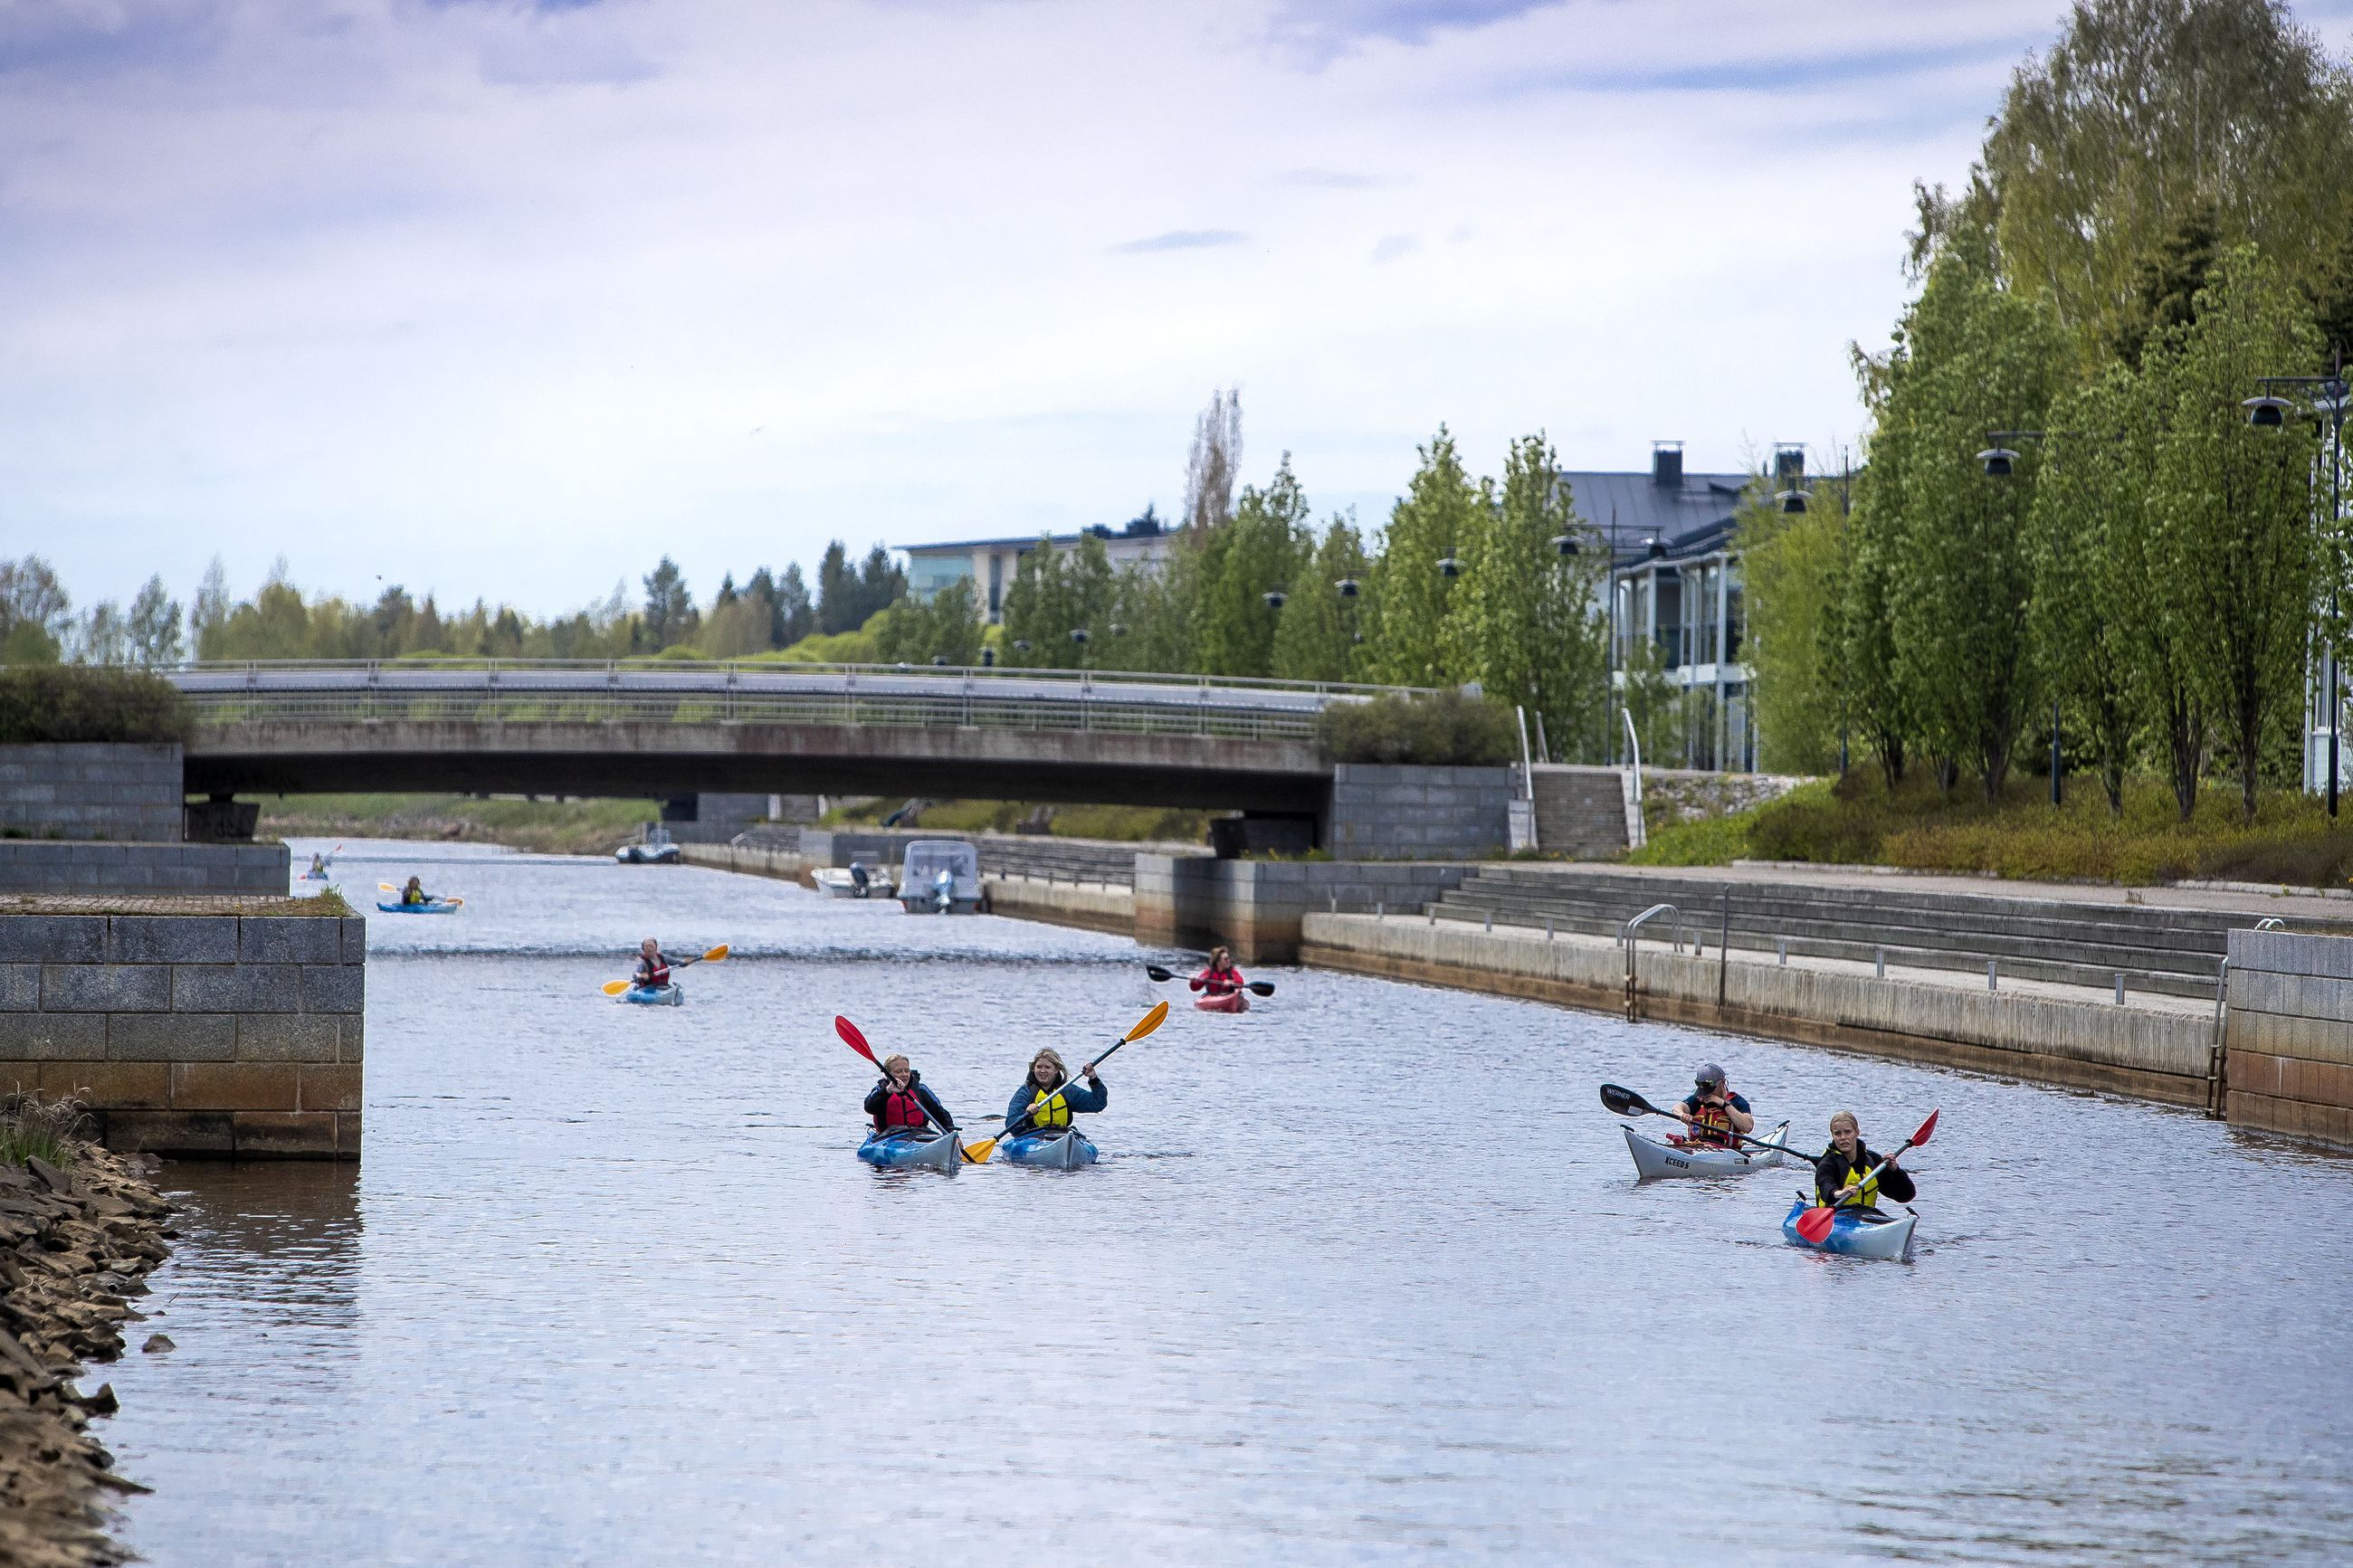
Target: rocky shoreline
[[73, 1243]]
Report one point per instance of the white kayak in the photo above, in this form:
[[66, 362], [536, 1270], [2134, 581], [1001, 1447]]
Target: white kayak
[[1655, 1158]]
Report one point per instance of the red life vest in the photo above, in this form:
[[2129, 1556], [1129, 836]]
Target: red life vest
[[1712, 1125], [902, 1110], [653, 976], [1220, 982]]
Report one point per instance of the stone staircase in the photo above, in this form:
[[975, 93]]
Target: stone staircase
[[2176, 952], [1581, 811]]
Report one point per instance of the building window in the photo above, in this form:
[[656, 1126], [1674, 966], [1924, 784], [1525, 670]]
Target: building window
[[1735, 632]]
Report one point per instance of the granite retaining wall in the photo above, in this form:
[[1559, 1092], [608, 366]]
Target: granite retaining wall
[[92, 790], [2289, 1035], [216, 1033]]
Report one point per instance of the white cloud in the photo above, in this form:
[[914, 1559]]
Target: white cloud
[[511, 300]]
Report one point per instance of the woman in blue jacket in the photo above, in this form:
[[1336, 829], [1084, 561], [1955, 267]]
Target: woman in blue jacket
[[1045, 1100]]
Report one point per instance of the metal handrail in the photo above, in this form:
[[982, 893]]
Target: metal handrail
[[1630, 936]]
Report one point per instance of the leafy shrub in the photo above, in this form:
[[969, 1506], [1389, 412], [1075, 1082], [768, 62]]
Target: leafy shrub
[[1447, 729], [88, 702], [34, 1127]]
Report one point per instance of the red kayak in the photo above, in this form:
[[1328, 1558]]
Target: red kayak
[[1232, 1002]]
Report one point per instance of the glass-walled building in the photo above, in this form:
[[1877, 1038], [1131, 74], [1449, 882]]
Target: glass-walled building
[[1674, 602]]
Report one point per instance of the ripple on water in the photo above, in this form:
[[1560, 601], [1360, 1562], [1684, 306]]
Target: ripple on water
[[1362, 1276]]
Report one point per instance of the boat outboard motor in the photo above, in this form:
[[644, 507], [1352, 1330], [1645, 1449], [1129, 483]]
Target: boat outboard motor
[[858, 878], [944, 889]]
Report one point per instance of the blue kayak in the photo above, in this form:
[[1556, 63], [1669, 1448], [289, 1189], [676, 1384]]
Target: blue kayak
[[656, 996], [1857, 1233], [1064, 1150], [436, 907], [904, 1148]]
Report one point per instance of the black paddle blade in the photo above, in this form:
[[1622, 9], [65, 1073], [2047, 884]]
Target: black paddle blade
[[1264, 987], [1158, 972], [1626, 1102]]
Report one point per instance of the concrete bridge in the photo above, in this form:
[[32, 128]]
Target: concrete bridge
[[657, 728]]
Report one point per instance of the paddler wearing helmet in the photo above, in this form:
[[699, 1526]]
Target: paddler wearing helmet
[[901, 1100], [1849, 1175], [1712, 1112], [1046, 1098]]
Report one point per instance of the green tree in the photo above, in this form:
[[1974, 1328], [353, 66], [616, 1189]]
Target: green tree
[[154, 628], [1264, 549], [670, 615], [945, 628], [1788, 563], [1318, 635], [2234, 530], [2145, 109], [1432, 520], [1974, 357]]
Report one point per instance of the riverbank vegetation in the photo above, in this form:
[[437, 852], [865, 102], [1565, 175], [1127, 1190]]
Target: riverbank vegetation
[[1122, 824], [547, 826], [66, 703]]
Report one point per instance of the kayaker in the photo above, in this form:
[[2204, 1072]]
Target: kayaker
[[1849, 1175], [654, 965], [1712, 1112], [415, 892], [1042, 1101], [1220, 978], [318, 863], [901, 1100]]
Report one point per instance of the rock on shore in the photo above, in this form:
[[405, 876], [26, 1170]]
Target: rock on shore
[[73, 1244]]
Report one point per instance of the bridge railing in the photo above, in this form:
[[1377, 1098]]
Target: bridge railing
[[673, 692]]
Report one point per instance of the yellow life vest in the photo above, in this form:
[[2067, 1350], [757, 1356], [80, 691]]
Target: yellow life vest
[[1049, 1109], [1868, 1198]]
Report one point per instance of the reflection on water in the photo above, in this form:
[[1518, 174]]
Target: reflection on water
[[1362, 1276]]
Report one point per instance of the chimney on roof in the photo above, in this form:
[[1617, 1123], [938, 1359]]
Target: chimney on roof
[[1666, 462], [1790, 463]]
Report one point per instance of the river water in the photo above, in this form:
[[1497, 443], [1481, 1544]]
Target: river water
[[1363, 1277]]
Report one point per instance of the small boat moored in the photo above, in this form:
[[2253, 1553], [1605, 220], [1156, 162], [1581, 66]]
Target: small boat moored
[[1857, 1233], [856, 881], [904, 1148], [941, 876], [670, 995], [1064, 1150], [657, 848], [1656, 1158], [1232, 1002]]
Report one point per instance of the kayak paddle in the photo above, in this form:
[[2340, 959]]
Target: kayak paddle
[[1264, 987], [978, 1153], [615, 987], [1626, 1102], [856, 1040], [1814, 1225]]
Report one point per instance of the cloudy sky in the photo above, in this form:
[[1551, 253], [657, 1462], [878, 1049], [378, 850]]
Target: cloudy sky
[[489, 297]]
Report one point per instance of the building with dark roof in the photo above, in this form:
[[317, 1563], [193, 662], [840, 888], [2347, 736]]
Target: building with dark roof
[[989, 563]]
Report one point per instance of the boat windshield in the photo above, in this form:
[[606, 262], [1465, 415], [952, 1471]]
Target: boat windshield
[[928, 857]]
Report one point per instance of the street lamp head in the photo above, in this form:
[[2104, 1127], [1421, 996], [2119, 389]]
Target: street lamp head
[[1275, 598], [1119, 628], [1564, 545], [1079, 635], [1999, 462], [1656, 548], [1448, 567], [939, 661], [988, 658], [1021, 645], [2266, 412], [1793, 502], [1348, 586]]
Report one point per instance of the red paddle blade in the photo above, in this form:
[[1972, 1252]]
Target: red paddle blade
[[852, 1038], [1814, 1225], [1926, 1128]]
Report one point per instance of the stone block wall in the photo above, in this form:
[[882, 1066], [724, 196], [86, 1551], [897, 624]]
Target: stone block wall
[[1384, 812], [142, 871], [97, 790], [224, 1035], [1255, 907], [2289, 1033]]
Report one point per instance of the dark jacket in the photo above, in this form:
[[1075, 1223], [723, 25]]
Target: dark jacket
[[881, 1096], [1076, 1096], [1833, 1170]]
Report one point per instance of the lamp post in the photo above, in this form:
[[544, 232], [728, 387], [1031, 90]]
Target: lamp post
[[2269, 411]]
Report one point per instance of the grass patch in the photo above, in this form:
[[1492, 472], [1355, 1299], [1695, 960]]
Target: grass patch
[[548, 826], [1123, 823], [1857, 822], [34, 1127]]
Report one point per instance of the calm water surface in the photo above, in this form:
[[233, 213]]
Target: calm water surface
[[1363, 1278]]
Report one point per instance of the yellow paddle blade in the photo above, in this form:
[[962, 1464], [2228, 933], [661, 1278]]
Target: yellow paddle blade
[[715, 954], [455, 903], [978, 1153], [386, 886], [1150, 1021], [615, 987]]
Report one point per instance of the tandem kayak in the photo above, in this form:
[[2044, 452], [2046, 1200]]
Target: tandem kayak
[[670, 995], [1654, 1159], [436, 907], [1064, 1150], [1232, 1002], [903, 1150], [1857, 1233]]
